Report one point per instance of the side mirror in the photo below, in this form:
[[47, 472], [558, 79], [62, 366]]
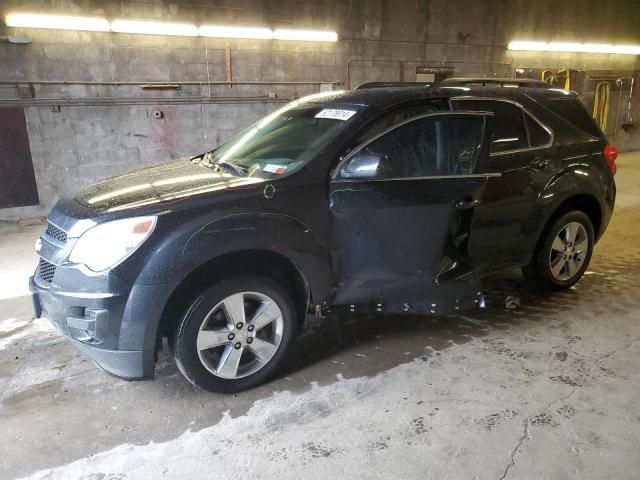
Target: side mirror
[[364, 164]]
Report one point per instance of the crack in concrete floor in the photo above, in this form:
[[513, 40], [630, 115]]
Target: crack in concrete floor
[[527, 421]]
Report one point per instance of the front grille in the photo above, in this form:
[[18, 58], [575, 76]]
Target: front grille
[[56, 233], [46, 270]]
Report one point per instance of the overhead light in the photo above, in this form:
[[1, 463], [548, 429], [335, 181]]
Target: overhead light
[[236, 32], [64, 22], [154, 28], [574, 47], [59, 22], [626, 49], [305, 35]]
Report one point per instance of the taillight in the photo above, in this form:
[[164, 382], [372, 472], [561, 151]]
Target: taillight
[[610, 154]]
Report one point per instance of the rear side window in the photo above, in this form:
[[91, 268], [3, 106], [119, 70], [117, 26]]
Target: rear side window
[[509, 132], [574, 112], [538, 136], [513, 128]]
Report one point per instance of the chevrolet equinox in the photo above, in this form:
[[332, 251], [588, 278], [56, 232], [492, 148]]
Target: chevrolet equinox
[[375, 200]]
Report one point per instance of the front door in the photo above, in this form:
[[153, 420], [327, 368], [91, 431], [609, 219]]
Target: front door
[[402, 207]]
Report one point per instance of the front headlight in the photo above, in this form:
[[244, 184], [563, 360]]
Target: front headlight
[[108, 244]]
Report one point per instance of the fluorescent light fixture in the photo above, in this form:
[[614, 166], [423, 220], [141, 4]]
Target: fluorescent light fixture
[[235, 32], [97, 24], [626, 49], [154, 28], [267, 34], [574, 47], [59, 22], [305, 35]]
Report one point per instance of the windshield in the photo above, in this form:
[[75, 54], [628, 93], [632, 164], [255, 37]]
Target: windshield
[[282, 142]]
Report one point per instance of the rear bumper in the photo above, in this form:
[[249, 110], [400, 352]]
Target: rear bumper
[[607, 208], [118, 331]]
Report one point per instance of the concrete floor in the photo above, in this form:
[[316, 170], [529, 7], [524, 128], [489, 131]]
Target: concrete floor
[[550, 390]]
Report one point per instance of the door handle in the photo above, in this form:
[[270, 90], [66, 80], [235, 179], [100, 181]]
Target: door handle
[[467, 204], [540, 163]]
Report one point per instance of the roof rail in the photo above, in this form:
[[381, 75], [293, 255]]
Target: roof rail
[[366, 86], [494, 82]]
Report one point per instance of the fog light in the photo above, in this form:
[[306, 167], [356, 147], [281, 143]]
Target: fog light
[[92, 327]]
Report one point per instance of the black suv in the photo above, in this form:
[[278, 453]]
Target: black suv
[[387, 200]]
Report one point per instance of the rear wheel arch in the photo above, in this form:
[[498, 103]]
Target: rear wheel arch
[[246, 262], [582, 202], [563, 253], [577, 188]]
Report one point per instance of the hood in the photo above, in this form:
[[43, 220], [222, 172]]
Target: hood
[[165, 182]]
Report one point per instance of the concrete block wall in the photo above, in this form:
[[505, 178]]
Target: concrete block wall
[[103, 130], [81, 145]]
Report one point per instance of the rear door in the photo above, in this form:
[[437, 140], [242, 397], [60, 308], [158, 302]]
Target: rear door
[[509, 218], [402, 209]]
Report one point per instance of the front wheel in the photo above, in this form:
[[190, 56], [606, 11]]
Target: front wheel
[[564, 253], [235, 335]]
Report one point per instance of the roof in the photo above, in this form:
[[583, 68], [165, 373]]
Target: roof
[[498, 82], [385, 97], [380, 97], [392, 84]]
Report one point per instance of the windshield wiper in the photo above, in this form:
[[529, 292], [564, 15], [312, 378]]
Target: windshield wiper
[[204, 158], [230, 166], [207, 160]]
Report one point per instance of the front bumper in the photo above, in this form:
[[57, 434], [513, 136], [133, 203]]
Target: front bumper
[[125, 364], [117, 330]]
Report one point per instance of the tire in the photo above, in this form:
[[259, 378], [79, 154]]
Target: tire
[[554, 268], [219, 355]]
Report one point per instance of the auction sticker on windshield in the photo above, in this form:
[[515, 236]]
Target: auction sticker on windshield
[[278, 169], [336, 114]]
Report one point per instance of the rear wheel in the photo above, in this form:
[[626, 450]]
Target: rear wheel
[[564, 253], [235, 335]]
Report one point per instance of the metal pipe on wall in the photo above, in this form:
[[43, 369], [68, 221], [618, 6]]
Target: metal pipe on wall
[[105, 102], [129, 83]]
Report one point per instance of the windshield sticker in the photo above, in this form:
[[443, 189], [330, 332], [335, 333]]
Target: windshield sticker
[[277, 169], [335, 114]]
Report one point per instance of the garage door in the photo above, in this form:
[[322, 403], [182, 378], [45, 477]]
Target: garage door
[[17, 180]]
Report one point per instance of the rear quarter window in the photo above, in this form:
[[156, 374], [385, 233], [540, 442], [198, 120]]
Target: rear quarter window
[[575, 113]]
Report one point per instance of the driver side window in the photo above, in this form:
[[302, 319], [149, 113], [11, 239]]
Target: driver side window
[[436, 145]]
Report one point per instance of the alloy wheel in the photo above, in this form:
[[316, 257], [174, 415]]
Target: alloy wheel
[[240, 335], [568, 251]]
